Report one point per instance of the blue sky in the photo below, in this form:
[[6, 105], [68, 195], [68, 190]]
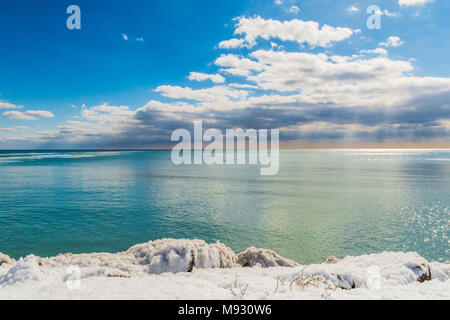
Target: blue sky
[[124, 80]]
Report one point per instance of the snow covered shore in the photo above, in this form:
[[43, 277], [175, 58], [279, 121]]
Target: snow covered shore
[[193, 269]]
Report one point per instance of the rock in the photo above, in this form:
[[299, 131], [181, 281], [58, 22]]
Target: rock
[[65, 255], [262, 257], [424, 271], [331, 260], [4, 259]]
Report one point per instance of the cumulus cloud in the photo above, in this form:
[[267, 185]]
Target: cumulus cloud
[[197, 76], [231, 44], [213, 94], [237, 65], [392, 41], [294, 30], [379, 51], [40, 113], [410, 3], [17, 115], [7, 105], [312, 97], [28, 115]]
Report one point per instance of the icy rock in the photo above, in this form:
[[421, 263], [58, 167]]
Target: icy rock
[[5, 259], [154, 257], [170, 255], [331, 260], [264, 258], [396, 267]]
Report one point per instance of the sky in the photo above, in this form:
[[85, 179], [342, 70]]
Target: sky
[[137, 70]]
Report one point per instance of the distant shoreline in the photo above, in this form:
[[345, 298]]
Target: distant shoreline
[[281, 148]]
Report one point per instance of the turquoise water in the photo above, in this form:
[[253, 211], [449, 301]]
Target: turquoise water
[[346, 202]]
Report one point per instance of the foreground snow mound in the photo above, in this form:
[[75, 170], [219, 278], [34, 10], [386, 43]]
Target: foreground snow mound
[[170, 255], [128, 275], [154, 257], [264, 258], [25, 270], [375, 270], [193, 269]]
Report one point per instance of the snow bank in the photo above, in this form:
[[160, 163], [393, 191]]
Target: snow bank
[[253, 257], [154, 257], [169, 255], [25, 270], [375, 270], [193, 269]]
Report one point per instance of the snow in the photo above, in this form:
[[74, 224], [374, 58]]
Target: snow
[[193, 269], [264, 258]]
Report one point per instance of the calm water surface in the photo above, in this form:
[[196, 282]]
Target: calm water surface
[[346, 202]]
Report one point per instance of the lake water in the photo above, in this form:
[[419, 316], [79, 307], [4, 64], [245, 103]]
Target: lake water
[[322, 202]]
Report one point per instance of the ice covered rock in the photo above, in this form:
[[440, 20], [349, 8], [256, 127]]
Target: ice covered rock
[[170, 255], [154, 257], [374, 270], [5, 259], [264, 258], [331, 260]]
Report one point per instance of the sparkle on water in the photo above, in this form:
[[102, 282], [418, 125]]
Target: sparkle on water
[[322, 202]]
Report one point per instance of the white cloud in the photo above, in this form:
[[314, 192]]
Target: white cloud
[[379, 51], [107, 114], [17, 115], [237, 65], [14, 129], [352, 9], [293, 9], [28, 115], [390, 14], [8, 129], [125, 37], [232, 43], [410, 3], [278, 2], [7, 105], [301, 92], [40, 113], [392, 41], [213, 94], [197, 76], [293, 30]]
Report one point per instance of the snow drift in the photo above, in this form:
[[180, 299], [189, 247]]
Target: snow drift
[[193, 269]]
